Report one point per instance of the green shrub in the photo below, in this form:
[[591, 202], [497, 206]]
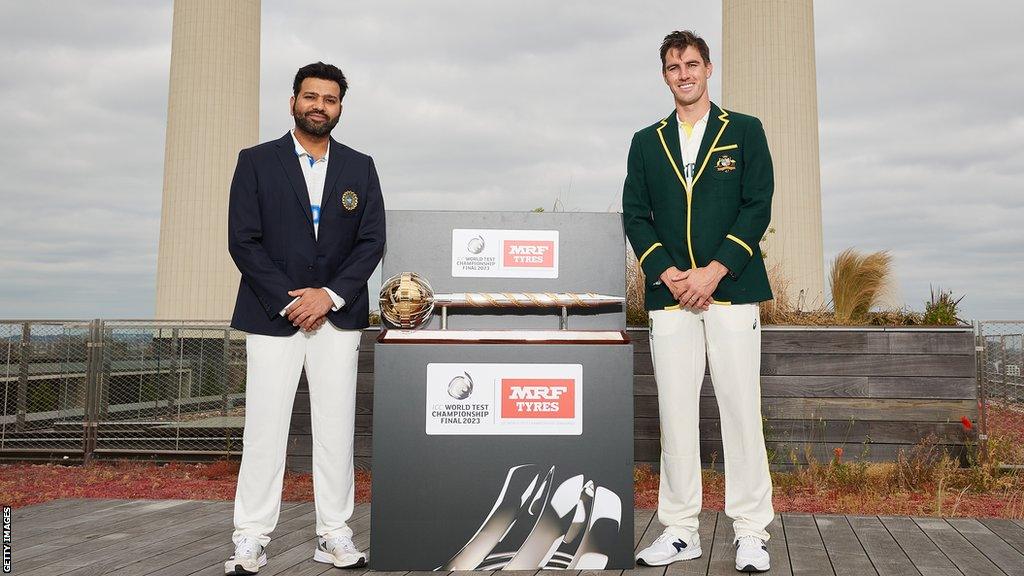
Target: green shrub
[[941, 310]]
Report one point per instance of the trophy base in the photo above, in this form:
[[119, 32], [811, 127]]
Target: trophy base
[[397, 336]]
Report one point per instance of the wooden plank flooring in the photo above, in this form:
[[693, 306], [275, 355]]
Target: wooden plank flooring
[[191, 537]]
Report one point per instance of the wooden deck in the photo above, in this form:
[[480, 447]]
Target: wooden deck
[[183, 537]]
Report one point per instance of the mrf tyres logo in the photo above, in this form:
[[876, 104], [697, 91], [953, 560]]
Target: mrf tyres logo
[[528, 254], [538, 398]]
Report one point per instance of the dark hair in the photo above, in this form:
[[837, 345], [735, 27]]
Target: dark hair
[[323, 72], [683, 39]]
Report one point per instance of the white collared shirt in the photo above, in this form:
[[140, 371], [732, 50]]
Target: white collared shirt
[[315, 173], [689, 144]]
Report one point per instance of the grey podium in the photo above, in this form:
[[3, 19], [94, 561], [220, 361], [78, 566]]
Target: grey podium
[[505, 440]]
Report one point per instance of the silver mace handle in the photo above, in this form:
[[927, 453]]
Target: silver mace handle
[[413, 294], [525, 299], [563, 300]]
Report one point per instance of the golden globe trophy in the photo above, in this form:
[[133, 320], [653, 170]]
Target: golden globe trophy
[[407, 301]]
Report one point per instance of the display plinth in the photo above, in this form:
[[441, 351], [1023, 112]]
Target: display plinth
[[433, 493], [505, 443]]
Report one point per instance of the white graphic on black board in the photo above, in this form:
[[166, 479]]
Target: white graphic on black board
[[536, 525]]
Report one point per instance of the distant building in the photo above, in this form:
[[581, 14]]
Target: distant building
[[768, 71], [212, 113]]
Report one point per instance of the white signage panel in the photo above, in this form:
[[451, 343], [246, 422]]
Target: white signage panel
[[504, 253], [504, 399]]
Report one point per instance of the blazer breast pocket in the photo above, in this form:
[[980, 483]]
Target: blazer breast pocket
[[726, 164], [350, 201]]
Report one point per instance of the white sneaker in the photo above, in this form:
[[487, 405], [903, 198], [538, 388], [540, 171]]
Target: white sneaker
[[752, 554], [669, 548], [340, 551], [248, 558]]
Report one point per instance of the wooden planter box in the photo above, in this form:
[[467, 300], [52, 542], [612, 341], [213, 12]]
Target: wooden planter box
[[868, 390]]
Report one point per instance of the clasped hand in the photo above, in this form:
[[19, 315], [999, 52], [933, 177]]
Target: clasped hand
[[310, 312], [693, 288]]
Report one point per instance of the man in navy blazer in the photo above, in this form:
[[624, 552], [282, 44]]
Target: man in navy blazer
[[302, 301]]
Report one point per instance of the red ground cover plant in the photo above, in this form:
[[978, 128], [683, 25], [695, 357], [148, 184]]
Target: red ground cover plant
[[859, 488], [27, 484], [835, 487], [1006, 430]]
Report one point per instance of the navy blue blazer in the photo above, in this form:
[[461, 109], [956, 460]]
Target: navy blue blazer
[[271, 239]]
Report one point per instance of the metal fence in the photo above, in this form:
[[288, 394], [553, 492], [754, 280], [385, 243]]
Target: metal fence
[[117, 387], [1000, 346], [85, 389]]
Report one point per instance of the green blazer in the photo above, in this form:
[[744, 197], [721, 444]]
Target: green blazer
[[722, 217]]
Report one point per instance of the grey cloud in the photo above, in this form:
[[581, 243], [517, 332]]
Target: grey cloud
[[510, 106], [84, 95], [922, 144]]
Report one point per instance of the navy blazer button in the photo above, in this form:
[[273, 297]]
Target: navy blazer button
[[309, 267]]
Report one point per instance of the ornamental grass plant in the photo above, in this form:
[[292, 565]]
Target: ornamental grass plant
[[636, 315], [858, 282]]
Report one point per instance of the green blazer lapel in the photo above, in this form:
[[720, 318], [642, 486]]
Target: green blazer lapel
[[718, 119], [668, 134]]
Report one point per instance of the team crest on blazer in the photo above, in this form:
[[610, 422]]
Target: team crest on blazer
[[725, 163], [349, 200]]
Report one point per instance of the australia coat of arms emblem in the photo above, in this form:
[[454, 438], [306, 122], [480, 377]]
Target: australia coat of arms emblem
[[725, 163]]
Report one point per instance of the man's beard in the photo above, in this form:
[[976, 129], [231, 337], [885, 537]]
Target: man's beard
[[316, 129]]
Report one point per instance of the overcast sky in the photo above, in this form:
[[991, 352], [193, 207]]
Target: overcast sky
[[511, 106]]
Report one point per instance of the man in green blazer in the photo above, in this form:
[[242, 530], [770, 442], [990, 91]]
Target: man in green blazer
[[696, 202]]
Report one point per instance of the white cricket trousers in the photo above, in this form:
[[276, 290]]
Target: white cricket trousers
[[273, 365], [731, 336]]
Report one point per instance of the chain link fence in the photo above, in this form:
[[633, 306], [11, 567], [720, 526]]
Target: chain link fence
[[45, 375], [177, 389], [84, 389], [1000, 346]]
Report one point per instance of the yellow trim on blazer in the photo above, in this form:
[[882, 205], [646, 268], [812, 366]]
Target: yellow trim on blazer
[[724, 148], [740, 242], [689, 192], [647, 253], [724, 117], [669, 154]]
